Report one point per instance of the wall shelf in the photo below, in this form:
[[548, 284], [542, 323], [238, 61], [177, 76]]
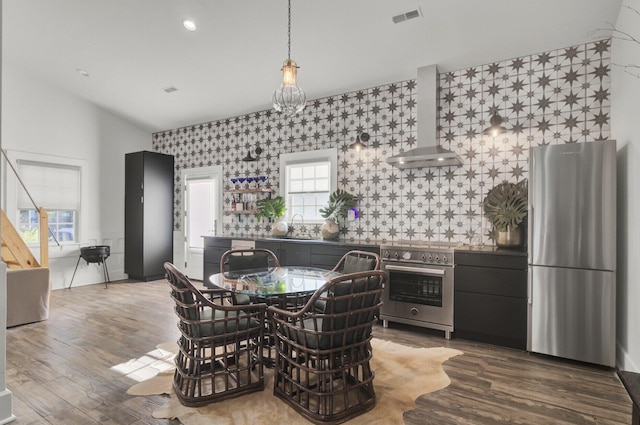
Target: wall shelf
[[242, 198], [241, 211], [259, 190]]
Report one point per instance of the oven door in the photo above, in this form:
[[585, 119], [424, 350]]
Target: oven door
[[418, 293]]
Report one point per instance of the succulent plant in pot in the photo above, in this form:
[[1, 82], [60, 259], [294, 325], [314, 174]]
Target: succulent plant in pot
[[273, 209], [340, 202], [506, 207]]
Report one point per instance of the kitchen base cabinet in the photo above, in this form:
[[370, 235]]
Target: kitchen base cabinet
[[289, 253], [327, 255], [305, 253], [295, 254], [213, 250], [490, 300]]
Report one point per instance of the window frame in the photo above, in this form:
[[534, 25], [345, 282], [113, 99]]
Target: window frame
[[300, 158], [13, 187]]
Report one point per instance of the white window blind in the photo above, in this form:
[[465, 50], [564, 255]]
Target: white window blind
[[52, 186]]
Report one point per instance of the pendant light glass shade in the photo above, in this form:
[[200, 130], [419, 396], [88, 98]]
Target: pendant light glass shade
[[289, 99], [496, 127]]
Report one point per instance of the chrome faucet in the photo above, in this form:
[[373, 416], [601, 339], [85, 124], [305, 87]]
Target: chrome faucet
[[291, 229]]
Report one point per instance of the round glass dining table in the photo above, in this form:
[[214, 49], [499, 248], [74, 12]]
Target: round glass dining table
[[276, 281], [288, 288]]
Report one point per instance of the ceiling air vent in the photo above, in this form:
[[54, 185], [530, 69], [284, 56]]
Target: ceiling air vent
[[406, 16], [170, 89]]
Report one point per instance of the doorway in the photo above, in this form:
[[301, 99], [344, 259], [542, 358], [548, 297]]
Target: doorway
[[201, 214]]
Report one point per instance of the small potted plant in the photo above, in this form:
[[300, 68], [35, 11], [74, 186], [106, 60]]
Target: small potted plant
[[340, 202], [506, 207], [273, 209]]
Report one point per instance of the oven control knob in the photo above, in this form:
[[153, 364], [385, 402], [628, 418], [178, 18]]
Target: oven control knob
[[395, 255], [414, 311], [423, 257], [430, 257], [444, 258], [406, 255], [437, 258], [386, 254]]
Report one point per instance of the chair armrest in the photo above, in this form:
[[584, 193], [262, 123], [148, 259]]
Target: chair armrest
[[216, 291], [273, 310]]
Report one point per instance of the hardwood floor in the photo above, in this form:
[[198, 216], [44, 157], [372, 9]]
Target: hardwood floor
[[60, 371]]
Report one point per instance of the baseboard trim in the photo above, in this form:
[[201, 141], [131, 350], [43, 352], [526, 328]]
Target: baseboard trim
[[6, 413], [624, 361]]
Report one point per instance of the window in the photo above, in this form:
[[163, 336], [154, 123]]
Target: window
[[306, 181], [56, 188]]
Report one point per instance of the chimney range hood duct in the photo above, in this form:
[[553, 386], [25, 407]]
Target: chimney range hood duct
[[427, 153]]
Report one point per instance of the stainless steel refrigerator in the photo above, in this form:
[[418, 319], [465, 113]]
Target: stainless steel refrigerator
[[572, 251]]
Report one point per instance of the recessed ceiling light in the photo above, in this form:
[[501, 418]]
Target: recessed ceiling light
[[189, 25], [82, 72]]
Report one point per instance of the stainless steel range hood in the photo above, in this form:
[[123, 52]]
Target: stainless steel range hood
[[428, 152]]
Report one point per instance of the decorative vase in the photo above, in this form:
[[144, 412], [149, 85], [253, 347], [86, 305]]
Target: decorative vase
[[510, 238], [280, 227], [330, 230]]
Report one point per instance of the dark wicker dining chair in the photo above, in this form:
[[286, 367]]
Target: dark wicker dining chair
[[351, 262], [357, 261], [322, 360], [245, 259], [220, 346]]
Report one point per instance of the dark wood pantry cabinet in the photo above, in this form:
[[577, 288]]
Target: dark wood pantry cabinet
[[148, 211]]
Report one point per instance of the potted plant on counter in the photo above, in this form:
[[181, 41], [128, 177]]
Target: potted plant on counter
[[273, 209], [506, 207], [340, 202]]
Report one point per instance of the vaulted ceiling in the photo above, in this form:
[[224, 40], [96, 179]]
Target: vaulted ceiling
[[133, 49]]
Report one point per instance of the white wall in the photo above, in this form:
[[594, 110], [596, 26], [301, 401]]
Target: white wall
[[6, 399], [41, 118], [625, 110]]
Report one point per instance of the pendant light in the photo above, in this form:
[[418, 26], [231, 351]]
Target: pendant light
[[289, 99], [250, 158], [496, 127], [495, 123], [359, 143]]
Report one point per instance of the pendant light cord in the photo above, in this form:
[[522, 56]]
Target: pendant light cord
[[289, 33]]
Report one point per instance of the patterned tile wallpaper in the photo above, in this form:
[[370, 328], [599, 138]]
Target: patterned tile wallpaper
[[560, 96]]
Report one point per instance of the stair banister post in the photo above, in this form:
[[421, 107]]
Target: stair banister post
[[44, 237]]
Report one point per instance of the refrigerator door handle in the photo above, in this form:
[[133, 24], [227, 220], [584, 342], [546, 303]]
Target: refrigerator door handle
[[530, 240], [530, 286]]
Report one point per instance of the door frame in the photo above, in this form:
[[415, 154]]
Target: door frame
[[187, 256]]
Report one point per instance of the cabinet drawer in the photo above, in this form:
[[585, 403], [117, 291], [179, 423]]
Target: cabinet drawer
[[493, 281], [504, 261], [490, 318]]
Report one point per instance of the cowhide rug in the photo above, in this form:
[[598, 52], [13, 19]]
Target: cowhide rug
[[402, 374]]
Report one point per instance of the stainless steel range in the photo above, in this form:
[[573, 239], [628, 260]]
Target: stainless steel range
[[420, 286]]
